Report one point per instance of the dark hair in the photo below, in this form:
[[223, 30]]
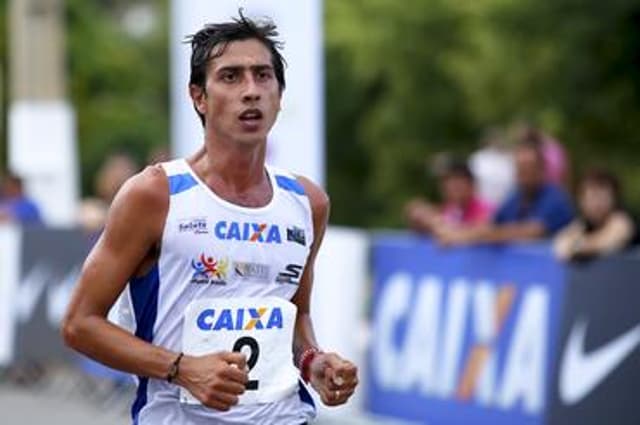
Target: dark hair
[[531, 134], [242, 28], [458, 168], [604, 177]]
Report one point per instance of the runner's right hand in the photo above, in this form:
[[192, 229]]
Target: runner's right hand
[[216, 380]]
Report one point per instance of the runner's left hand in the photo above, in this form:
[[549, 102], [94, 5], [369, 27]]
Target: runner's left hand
[[333, 377]]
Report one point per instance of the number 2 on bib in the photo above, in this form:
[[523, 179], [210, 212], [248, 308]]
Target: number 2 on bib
[[247, 341]]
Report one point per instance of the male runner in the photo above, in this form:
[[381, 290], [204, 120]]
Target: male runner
[[217, 251]]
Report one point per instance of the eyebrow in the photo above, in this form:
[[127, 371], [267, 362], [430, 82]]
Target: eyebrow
[[236, 68]]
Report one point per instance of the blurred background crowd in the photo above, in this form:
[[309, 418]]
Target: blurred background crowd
[[518, 187]]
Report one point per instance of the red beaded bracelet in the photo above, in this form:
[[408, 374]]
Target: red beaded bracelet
[[306, 358]]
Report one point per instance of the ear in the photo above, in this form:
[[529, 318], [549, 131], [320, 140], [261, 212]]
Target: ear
[[198, 96]]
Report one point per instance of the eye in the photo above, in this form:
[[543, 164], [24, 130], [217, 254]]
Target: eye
[[264, 75], [229, 77]]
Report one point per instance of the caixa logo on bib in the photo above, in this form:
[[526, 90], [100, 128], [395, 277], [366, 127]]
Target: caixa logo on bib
[[471, 341], [246, 319], [248, 232]]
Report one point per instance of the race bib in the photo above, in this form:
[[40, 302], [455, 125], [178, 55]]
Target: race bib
[[261, 328]]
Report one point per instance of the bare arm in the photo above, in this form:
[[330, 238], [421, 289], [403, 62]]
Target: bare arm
[[523, 231], [527, 230], [133, 228], [304, 336], [612, 237], [127, 246], [421, 216], [565, 241], [334, 378], [615, 234]]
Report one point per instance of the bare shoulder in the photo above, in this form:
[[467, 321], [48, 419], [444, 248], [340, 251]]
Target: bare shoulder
[[320, 202], [144, 198], [149, 185]]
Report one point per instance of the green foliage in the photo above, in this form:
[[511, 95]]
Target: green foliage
[[118, 83], [405, 80], [412, 106], [428, 76]]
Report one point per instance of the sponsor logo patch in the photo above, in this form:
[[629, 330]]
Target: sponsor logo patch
[[251, 271], [291, 274], [196, 225], [248, 232], [296, 234], [209, 271]]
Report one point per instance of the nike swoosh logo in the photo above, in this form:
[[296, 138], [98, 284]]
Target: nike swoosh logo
[[581, 372]]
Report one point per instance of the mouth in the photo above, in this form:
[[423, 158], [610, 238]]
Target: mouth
[[251, 116]]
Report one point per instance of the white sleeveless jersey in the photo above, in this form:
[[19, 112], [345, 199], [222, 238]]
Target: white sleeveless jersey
[[215, 250]]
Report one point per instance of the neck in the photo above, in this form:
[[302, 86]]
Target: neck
[[239, 167], [466, 203], [600, 220], [531, 192]]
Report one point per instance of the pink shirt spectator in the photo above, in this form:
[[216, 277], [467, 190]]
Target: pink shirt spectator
[[556, 161], [476, 212]]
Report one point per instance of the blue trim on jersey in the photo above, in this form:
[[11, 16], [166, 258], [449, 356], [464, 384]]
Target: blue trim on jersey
[[181, 182], [291, 185], [141, 399], [305, 397], [144, 296]]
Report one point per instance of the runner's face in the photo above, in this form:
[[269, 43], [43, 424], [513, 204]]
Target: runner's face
[[242, 97]]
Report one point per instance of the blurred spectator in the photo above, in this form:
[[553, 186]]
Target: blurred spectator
[[15, 206], [557, 164], [158, 155], [603, 226], [114, 172], [111, 176], [535, 209], [460, 207], [493, 167]]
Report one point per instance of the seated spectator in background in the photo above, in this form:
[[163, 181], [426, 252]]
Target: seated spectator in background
[[535, 209], [493, 167], [603, 226], [116, 169], [460, 207], [557, 164], [159, 154], [15, 206]]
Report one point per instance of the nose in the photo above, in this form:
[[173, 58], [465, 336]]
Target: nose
[[252, 91]]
